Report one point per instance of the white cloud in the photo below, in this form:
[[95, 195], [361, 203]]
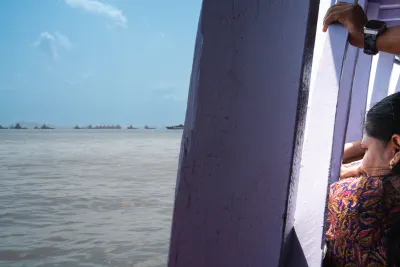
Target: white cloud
[[46, 43], [51, 43], [99, 8], [63, 40]]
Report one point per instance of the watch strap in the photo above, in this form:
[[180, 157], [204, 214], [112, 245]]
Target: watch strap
[[370, 43], [371, 36]]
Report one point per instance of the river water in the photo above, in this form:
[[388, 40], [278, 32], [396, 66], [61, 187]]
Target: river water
[[86, 198]]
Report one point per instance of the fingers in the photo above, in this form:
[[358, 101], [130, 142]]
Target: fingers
[[335, 12], [330, 14], [332, 17], [347, 170]]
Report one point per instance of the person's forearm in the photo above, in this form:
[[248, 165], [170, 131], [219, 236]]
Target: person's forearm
[[353, 151], [389, 41], [349, 170]]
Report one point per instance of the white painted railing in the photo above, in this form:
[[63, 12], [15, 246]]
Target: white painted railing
[[360, 87], [344, 71]]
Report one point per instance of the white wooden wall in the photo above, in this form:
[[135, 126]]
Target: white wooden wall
[[360, 87], [347, 82], [375, 77]]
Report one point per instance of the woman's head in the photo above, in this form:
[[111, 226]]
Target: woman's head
[[381, 138]]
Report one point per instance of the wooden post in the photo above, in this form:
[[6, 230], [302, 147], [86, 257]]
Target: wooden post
[[360, 87], [244, 122], [323, 146], [381, 77], [397, 85], [388, 4]]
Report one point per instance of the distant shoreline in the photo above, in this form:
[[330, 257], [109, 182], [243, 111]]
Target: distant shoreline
[[94, 130], [35, 126]]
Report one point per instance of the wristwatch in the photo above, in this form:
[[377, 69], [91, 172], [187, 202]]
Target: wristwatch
[[372, 29]]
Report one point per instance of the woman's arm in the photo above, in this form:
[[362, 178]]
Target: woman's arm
[[353, 152], [349, 170]]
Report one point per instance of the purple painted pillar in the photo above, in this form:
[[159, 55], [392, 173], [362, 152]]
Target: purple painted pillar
[[244, 122]]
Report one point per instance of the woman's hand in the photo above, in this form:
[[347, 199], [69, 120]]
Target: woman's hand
[[353, 151], [349, 170]]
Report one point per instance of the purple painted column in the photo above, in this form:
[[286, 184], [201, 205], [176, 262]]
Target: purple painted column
[[245, 116], [323, 145], [359, 94], [381, 77]]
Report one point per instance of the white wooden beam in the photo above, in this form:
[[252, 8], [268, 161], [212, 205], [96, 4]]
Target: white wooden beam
[[289, 236], [359, 94], [389, 14], [381, 78], [385, 2], [396, 75], [322, 148], [390, 6], [398, 86]]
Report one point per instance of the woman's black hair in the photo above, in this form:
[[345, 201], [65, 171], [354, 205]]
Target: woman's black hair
[[383, 119]]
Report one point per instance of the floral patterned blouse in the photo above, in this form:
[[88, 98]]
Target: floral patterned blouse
[[360, 212]]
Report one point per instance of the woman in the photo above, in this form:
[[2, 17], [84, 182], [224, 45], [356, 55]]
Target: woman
[[364, 205]]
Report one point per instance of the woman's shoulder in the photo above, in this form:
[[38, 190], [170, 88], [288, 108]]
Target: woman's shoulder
[[360, 179], [361, 184], [366, 189]]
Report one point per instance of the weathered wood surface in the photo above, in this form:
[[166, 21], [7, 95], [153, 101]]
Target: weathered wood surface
[[322, 149], [360, 87], [245, 117]]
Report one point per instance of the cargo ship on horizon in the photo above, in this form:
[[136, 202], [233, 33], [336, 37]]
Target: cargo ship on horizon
[[101, 127], [176, 127], [18, 127], [45, 127]]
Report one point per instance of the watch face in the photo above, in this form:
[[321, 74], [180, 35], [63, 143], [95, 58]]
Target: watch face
[[375, 25]]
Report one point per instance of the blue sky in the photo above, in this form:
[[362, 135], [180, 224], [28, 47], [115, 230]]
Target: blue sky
[[68, 62]]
